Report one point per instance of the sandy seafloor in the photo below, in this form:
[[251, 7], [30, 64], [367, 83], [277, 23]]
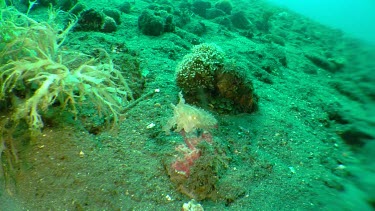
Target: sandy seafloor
[[309, 146]]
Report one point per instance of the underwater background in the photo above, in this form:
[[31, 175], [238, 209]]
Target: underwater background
[[187, 105], [352, 17]]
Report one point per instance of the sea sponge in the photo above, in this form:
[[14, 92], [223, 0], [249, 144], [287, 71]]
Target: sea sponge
[[189, 118], [196, 72], [207, 79]]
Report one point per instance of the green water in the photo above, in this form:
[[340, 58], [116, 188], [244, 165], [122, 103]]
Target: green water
[[276, 112]]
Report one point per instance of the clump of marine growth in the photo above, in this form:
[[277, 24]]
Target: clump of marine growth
[[36, 72], [207, 79]]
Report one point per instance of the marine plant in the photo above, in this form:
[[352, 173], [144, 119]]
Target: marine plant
[[37, 72]]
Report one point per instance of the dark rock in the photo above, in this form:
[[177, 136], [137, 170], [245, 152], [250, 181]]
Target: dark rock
[[214, 13], [113, 13], [239, 20], [332, 65], [225, 6], [109, 25], [125, 7], [150, 24], [196, 27], [169, 25], [272, 38], [356, 136], [224, 21], [200, 7], [90, 20], [335, 113]]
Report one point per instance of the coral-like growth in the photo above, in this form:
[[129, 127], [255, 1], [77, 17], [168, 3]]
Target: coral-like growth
[[207, 78], [197, 70], [33, 63]]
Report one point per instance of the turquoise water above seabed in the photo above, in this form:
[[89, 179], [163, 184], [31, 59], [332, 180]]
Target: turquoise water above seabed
[[356, 17], [276, 111]]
